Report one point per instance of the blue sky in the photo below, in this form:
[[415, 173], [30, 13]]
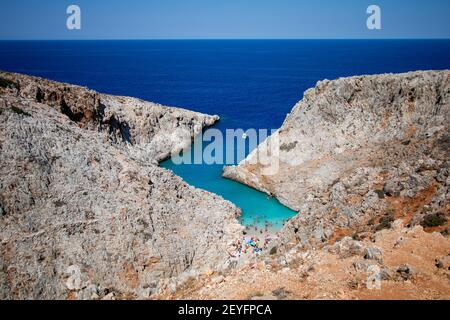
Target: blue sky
[[223, 19]]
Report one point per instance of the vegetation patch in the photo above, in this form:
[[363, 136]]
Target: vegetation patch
[[380, 193], [434, 220], [20, 111], [288, 146], [385, 222], [357, 237], [5, 83], [59, 203]]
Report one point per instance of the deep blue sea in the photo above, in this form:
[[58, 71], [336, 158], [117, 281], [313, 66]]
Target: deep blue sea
[[249, 83]]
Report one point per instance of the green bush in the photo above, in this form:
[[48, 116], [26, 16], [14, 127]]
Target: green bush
[[356, 237], [20, 111], [5, 83], [380, 194], [385, 222], [433, 220]]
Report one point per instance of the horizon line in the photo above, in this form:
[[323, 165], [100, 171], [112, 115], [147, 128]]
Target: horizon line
[[223, 39]]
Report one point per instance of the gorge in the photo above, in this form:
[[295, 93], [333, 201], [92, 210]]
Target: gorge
[[87, 213]]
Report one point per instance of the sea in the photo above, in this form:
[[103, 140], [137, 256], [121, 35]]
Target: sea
[[250, 84]]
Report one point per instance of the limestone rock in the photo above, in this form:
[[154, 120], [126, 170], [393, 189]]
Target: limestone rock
[[373, 253], [347, 247], [405, 272], [355, 150], [84, 203], [443, 263]]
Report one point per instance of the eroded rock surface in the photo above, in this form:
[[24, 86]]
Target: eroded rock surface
[[85, 212], [357, 153], [155, 130], [413, 266]]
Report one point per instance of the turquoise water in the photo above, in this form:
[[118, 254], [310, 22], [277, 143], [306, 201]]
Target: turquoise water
[[258, 209], [248, 83]]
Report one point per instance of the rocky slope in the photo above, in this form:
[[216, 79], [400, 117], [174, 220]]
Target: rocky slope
[[356, 154], [85, 212], [365, 161], [399, 263]]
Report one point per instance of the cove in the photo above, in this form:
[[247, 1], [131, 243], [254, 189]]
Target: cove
[[257, 207], [248, 83]]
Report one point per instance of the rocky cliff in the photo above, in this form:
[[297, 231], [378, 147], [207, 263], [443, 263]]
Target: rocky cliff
[[357, 153], [156, 131], [85, 212]]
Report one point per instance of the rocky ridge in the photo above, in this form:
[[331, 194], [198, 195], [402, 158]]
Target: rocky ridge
[[85, 212], [358, 153], [154, 130]]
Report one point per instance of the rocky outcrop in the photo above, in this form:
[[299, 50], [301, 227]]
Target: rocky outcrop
[[85, 212], [357, 153], [155, 130]]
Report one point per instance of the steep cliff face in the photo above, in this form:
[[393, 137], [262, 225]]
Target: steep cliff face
[[85, 212], [156, 130], [357, 153]]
